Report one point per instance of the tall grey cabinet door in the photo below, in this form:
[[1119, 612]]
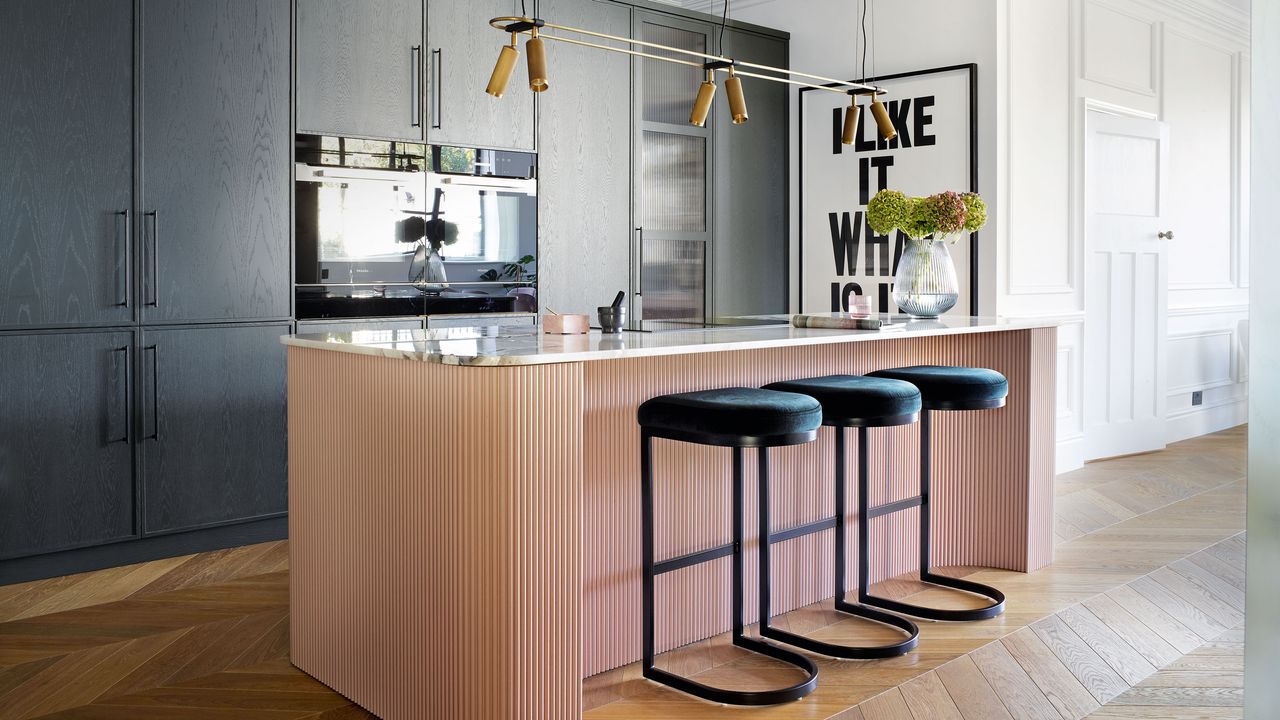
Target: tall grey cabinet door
[[584, 166], [463, 49], [66, 462], [360, 68], [747, 259], [212, 427], [216, 173], [66, 106]]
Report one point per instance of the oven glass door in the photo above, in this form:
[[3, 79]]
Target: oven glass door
[[492, 222]]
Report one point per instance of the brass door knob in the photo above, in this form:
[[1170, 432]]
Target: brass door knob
[[1166, 235]]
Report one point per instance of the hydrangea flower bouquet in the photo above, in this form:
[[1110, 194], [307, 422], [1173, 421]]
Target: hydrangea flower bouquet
[[925, 284]]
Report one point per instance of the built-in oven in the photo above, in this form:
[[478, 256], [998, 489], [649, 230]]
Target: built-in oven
[[386, 229]]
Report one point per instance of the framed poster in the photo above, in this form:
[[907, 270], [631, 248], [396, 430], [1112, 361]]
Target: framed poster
[[936, 115]]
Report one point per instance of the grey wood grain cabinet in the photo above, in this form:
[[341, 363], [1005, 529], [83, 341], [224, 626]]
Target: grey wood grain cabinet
[[360, 68], [747, 257], [66, 162], [462, 50], [66, 459], [215, 159], [584, 166], [212, 425]]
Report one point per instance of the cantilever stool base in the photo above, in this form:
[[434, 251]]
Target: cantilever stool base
[[858, 402], [738, 418], [944, 388]]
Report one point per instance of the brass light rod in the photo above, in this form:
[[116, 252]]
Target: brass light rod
[[843, 87]]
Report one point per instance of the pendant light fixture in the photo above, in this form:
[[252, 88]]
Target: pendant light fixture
[[711, 64], [702, 103], [537, 62], [503, 69], [883, 123]]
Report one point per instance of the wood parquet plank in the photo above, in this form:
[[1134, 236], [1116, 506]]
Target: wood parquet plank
[[1173, 632], [1019, 693], [972, 694], [928, 698], [888, 705], [1133, 631], [1067, 694], [1126, 660], [1083, 660]]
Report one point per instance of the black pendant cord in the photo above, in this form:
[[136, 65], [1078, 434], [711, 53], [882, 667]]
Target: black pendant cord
[[523, 12], [863, 23], [724, 19]]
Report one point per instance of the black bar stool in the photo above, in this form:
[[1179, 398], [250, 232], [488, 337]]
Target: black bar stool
[[737, 418], [853, 401], [942, 387]]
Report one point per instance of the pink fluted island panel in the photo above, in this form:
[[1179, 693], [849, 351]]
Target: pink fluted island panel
[[465, 540]]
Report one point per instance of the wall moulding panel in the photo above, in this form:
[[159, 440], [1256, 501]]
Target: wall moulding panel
[[1039, 257], [1201, 360], [1200, 99], [1119, 47]]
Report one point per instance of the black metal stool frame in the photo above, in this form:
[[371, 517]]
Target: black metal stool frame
[[923, 502], [849, 652], [651, 569]]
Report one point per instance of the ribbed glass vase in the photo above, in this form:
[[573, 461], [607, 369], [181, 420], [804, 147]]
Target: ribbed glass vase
[[926, 285]]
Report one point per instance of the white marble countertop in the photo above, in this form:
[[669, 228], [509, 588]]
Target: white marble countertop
[[493, 346]]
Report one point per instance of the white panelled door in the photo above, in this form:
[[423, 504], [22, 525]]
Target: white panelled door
[[1126, 282]]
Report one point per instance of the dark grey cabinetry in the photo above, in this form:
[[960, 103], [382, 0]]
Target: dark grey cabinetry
[[215, 158], [584, 165], [66, 458], [462, 49], [212, 424], [66, 107], [360, 68], [747, 258]]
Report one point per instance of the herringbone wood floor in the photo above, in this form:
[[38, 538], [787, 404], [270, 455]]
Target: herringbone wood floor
[[206, 636]]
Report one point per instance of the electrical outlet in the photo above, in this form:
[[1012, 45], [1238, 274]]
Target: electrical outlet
[[1197, 397]]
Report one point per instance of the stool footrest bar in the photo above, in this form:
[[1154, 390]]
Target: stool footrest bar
[[896, 506], [720, 551]]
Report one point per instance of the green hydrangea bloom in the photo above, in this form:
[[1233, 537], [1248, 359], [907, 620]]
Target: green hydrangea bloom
[[976, 215], [889, 210], [922, 219]]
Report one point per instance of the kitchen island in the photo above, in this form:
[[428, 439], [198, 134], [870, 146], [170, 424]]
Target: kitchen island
[[464, 503]]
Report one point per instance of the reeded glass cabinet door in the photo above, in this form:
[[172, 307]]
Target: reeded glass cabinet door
[[673, 185]]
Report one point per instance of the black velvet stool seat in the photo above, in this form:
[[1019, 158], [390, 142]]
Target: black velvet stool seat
[[737, 418], [944, 387], [853, 401]]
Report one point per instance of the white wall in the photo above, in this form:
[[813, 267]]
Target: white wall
[[1172, 60], [1262, 625], [916, 34]]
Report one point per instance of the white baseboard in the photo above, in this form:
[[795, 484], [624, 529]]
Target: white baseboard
[[1205, 419], [1070, 455]]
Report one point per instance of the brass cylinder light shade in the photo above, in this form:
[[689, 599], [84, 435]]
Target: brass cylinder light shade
[[737, 102], [851, 122], [702, 103], [503, 69], [537, 62], [882, 120]]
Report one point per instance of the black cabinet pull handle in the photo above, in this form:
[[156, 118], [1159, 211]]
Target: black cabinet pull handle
[[122, 396], [415, 74], [154, 285], [155, 393], [127, 255], [437, 59]]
